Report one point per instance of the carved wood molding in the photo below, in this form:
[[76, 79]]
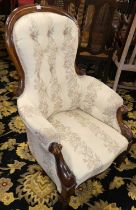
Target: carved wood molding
[[125, 130], [67, 178]]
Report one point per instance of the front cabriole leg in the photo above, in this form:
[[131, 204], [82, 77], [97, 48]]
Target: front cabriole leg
[[67, 178], [125, 130]]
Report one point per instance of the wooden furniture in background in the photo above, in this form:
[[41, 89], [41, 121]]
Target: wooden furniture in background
[[97, 32], [127, 62], [6, 6]]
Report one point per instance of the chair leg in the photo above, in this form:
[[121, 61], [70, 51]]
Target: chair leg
[[65, 197], [67, 192], [62, 203]]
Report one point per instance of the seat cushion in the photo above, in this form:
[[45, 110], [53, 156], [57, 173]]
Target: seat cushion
[[89, 145]]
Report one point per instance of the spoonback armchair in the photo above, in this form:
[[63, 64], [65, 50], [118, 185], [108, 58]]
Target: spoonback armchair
[[74, 122]]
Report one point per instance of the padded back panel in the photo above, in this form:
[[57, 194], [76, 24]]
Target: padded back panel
[[46, 44]]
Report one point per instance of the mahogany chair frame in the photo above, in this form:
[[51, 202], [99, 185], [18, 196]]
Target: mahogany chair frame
[[66, 177]]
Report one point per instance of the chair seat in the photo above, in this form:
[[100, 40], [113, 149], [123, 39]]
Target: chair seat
[[89, 145]]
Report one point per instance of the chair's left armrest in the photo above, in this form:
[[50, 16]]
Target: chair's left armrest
[[37, 124], [100, 101], [125, 130]]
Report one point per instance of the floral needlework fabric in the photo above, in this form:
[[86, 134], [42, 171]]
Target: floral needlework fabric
[[57, 105], [23, 183]]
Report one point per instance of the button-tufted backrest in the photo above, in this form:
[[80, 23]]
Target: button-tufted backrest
[[46, 44]]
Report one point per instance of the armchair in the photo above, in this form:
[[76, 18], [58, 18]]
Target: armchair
[[74, 123]]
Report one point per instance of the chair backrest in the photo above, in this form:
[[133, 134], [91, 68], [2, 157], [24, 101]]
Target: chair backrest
[[42, 42]]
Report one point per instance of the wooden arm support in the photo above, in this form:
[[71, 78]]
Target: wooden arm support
[[125, 130], [67, 178]]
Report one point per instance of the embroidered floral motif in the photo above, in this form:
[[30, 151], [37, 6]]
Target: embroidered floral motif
[[28, 111], [90, 102], [110, 111], [88, 99], [55, 87], [69, 48], [108, 141], [67, 135], [39, 52], [34, 32]]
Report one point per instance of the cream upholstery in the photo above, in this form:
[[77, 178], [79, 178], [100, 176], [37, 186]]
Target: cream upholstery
[[88, 140], [57, 105]]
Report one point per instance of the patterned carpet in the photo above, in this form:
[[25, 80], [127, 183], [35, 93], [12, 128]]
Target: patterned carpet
[[23, 183]]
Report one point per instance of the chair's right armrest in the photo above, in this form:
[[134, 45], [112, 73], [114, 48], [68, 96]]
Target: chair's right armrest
[[36, 123], [48, 137], [66, 176]]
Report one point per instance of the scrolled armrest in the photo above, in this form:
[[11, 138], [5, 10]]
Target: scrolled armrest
[[66, 176], [37, 124], [125, 130], [64, 173], [100, 101]]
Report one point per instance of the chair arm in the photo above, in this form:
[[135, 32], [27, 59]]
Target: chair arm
[[36, 123], [43, 131], [66, 177], [100, 101], [125, 130]]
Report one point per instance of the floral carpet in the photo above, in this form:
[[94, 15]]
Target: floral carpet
[[23, 183]]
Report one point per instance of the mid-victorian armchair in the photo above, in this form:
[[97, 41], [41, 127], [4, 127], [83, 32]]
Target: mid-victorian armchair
[[74, 122]]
